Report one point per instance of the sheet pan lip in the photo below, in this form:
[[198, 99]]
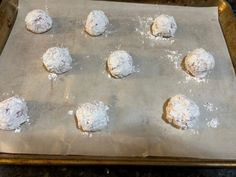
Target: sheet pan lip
[[213, 3], [9, 7], [33, 159], [39, 159]]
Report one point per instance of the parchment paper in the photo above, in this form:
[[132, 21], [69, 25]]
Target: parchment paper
[[136, 127]]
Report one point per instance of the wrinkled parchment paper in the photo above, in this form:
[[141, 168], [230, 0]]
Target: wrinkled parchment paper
[[136, 127]]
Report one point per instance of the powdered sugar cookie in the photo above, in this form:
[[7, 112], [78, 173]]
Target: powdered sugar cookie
[[120, 64], [199, 62], [13, 113], [92, 116], [38, 21], [182, 112], [96, 23], [57, 60], [164, 26]]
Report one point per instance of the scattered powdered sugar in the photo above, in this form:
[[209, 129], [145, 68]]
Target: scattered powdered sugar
[[70, 112], [136, 68], [189, 78], [17, 130], [118, 47], [110, 30], [175, 57], [28, 121], [46, 6], [52, 76], [87, 134], [210, 107], [194, 132], [144, 30], [5, 94], [145, 154], [213, 123]]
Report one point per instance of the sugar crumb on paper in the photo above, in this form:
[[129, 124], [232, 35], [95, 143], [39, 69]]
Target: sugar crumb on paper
[[189, 78], [17, 130], [210, 107], [52, 76], [175, 57], [70, 112], [213, 123]]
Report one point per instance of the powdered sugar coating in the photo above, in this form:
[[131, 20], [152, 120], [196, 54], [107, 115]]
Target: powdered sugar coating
[[13, 113], [164, 25], [213, 123], [38, 21], [120, 64], [96, 23], [92, 116], [199, 62], [182, 112], [57, 60]]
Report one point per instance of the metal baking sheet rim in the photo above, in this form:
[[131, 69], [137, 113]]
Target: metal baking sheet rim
[[227, 22]]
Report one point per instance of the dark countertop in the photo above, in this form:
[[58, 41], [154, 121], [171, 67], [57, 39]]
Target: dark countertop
[[112, 171]]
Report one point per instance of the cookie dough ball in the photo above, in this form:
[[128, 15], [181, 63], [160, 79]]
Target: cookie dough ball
[[92, 116], [38, 21], [181, 112], [199, 62], [120, 64], [96, 23], [164, 26], [57, 60], [13, 113]]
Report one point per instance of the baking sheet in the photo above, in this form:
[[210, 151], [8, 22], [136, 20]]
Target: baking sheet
[[136, 126]]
